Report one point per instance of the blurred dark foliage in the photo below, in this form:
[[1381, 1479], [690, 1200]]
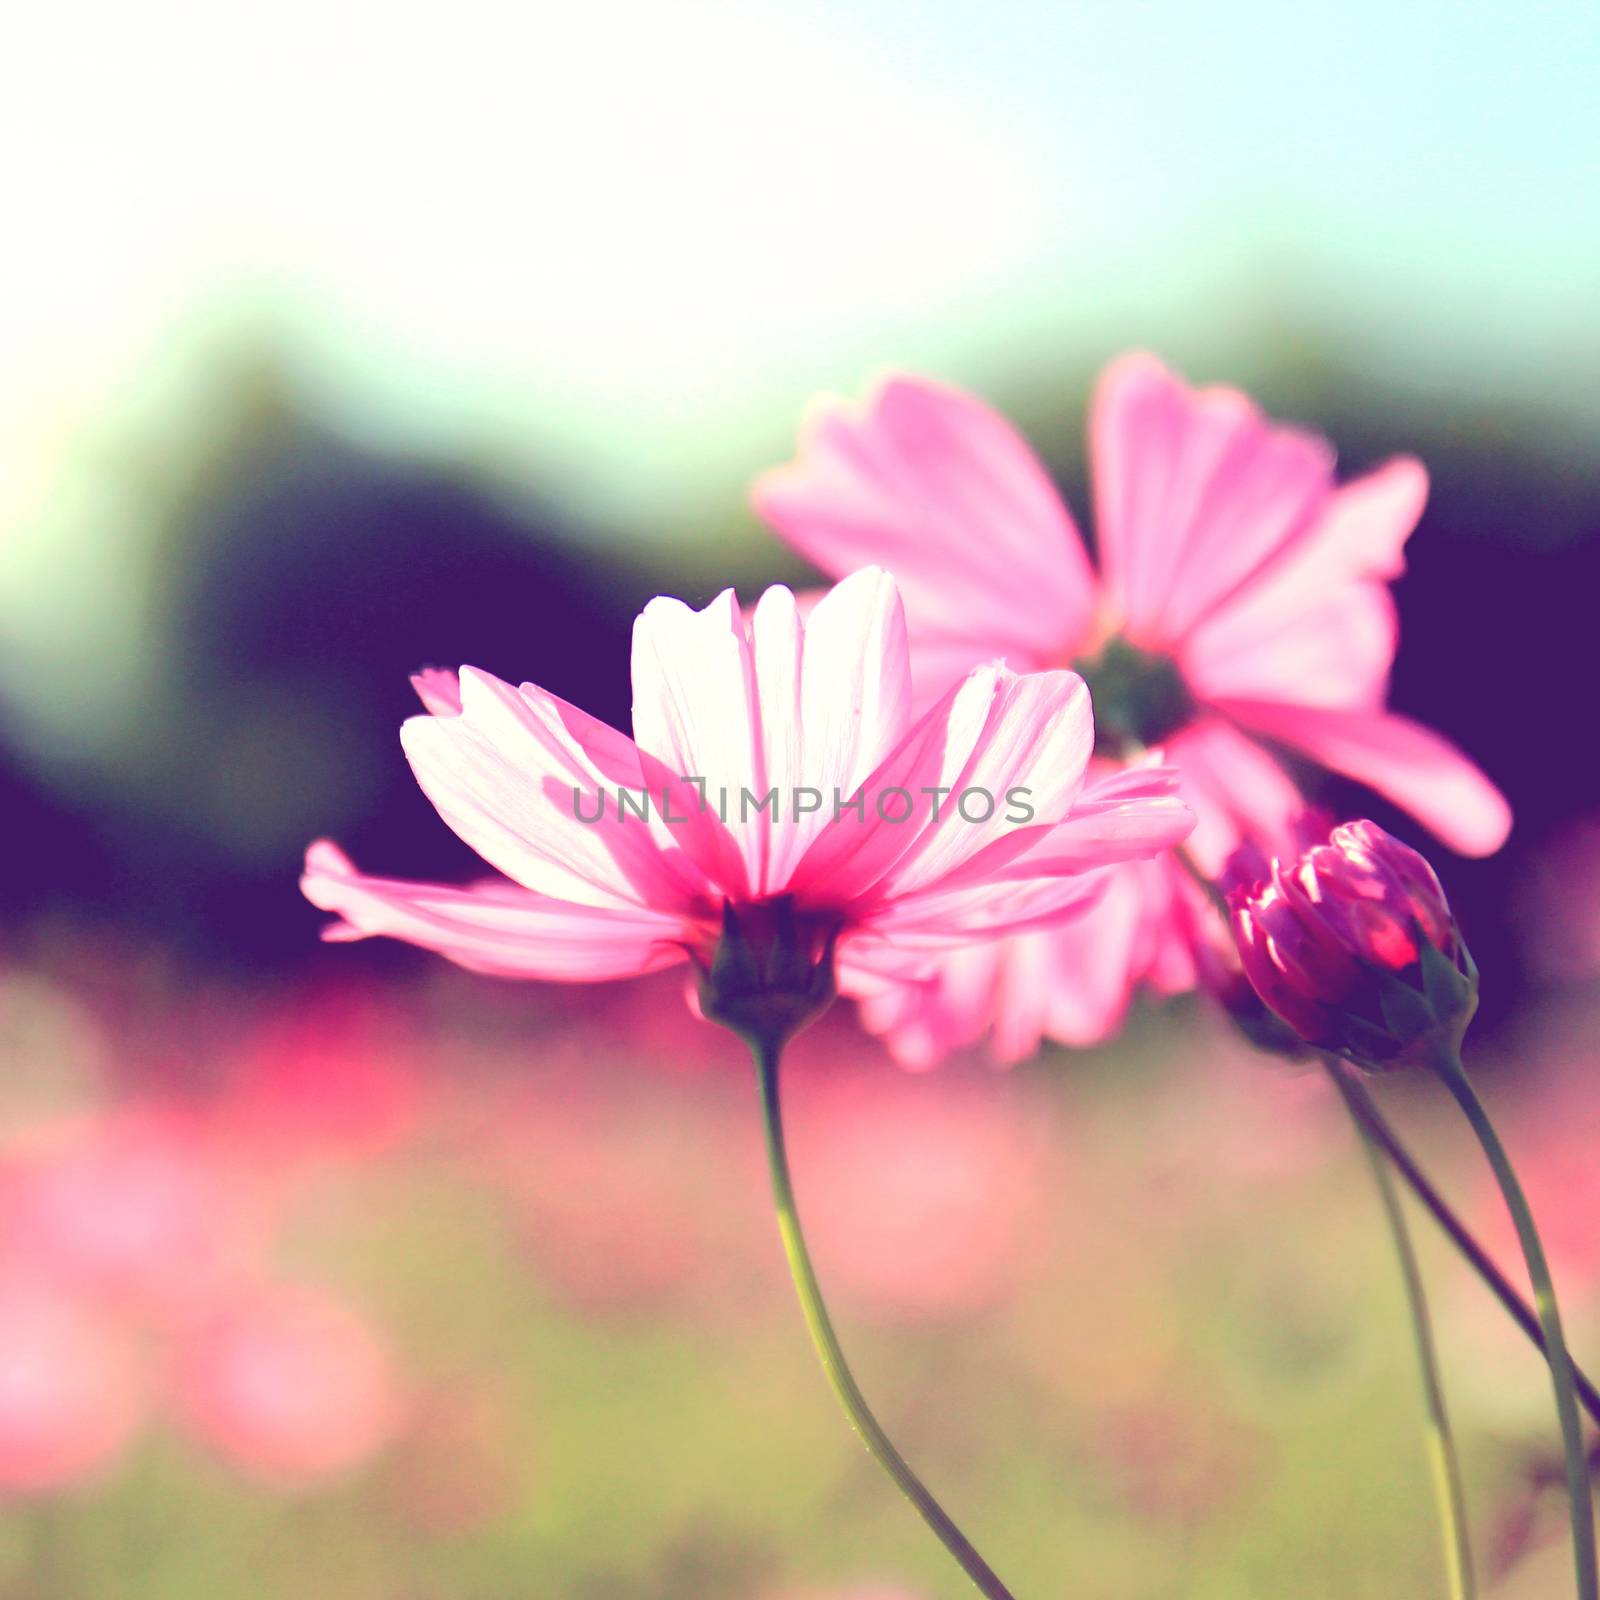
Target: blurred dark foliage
[[1498, 648], [331, 577], [318, 577], [315, 581]]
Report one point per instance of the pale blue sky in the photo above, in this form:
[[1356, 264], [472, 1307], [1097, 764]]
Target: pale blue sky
[[606, 251]]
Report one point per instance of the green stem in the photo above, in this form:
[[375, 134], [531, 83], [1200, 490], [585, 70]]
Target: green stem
[[1447, 1063], [1365, 1110], [827, 1341], [1442, 1458]]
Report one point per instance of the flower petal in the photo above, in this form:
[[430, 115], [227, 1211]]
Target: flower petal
[[508, 775], [1414, 767], [493, 927], [1040, 875], [439, 690], [1238, 791], [788, 705], [994, 733], [1071, 980], [1130, 815], [930, 482], [923, 1021], [1196, 495], [947, 917], [849, 709], [1036, 744], [696, 707], [1128, 936], [1319, 627]]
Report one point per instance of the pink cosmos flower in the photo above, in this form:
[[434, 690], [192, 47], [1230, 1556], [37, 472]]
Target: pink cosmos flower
[[875, 866], [1240, 604]]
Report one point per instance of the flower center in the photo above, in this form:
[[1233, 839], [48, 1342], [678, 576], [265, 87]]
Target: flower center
[[771, 972], [1140, 699]]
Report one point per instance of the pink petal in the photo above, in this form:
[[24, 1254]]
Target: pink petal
[[1132, 815], [1237, 790], [856, 694], [1364, 528], [1005, 990], [492, 927], [1031, 986], [1137, 933], [1035, 744], [1416, 768], [503, 774], [773, 841], [1070, 981], [936, 486], [696, 707], [1335, 654], [1319, 626], [940, 661], [1129, 815], [924, 1021], [936, 921], [853, 854], [1090, 966], [783, 706], [439, 690], [1196, 495], [831, 725], [995, 733]]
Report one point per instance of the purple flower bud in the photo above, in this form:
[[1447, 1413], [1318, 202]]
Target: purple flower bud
[[1219, 972], [1353, 945]]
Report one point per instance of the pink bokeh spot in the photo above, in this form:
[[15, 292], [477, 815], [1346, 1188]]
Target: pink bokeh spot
[[135, 1208], [1554, 1131], [336, 1078], [926, 1197], [72, 1391], [290, 1386]]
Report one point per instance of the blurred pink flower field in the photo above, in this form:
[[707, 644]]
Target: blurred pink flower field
[[503, 1284]]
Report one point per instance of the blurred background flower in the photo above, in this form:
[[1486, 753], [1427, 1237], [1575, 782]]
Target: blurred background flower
[[342, 342]]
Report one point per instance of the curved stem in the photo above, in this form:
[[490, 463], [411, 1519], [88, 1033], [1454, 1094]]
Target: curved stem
[[1365, 1110], [1447, 1064], [827, 1342], [1442, 1459]]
